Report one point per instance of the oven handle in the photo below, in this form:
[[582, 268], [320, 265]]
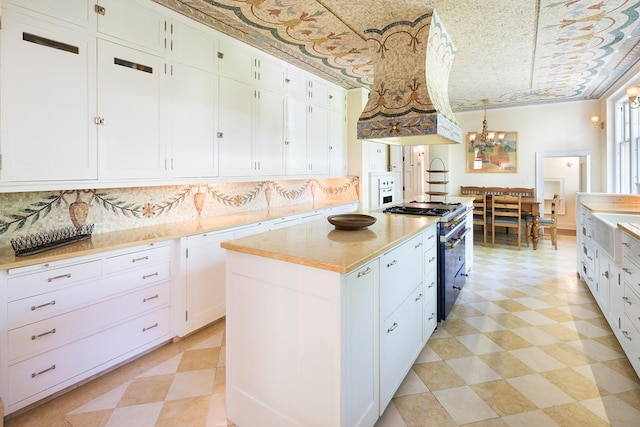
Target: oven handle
[[450, 245], [459, 217]]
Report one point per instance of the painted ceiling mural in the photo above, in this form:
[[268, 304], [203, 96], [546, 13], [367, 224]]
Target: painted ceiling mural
[[511, 52]]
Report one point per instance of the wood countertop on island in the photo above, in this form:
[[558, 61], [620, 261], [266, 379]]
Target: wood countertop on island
[[318, 244]]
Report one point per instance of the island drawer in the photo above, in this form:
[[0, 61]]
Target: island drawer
[[631, 273], [429, 238], [631, 248], [400, 273], [51, 279]]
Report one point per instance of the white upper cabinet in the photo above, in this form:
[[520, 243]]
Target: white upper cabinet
[[295, 82], [76, 12], [129, 93], [318, 140], [133, 22], [235, 60], [269, 73], [193, 96], [44, 140], [296, 137], [234, 128], [192, 44], [337, 144], [268, 132]]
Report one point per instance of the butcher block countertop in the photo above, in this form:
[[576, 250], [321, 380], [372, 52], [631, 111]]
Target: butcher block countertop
[[102, 242], [318, 244], [632, 229]]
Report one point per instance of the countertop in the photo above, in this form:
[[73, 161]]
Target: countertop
[[318, 244], [611, 207], [633, 229], [102, 242]]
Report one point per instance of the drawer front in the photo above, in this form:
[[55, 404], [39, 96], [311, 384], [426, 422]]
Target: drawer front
[[59, 330], [430, 263], [48, 370], [430, 317], [632, 305], [631, 274], [631, 248], [430, 284], [150, 255], [401, 272], [429, 238], [400, 342], [630, 341], [44, 306], [52, 279]]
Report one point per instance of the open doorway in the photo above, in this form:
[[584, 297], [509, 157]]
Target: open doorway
[[564, 173]]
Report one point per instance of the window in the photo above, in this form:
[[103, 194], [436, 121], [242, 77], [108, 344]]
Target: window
[[627, 139]]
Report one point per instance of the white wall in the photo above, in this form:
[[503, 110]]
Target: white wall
[[558, 127]]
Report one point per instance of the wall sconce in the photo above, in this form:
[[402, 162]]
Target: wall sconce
[[632, 93], [596, 123]]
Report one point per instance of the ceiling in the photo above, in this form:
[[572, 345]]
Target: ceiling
[[510, 52]]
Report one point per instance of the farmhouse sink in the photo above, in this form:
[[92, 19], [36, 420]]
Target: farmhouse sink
[[607, 234]]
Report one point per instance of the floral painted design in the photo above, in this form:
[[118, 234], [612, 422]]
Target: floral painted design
[[117, 209]]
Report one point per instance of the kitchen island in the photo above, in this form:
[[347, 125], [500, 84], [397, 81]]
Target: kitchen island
[[324, 324]]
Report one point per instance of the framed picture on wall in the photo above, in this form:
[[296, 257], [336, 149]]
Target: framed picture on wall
[[501, 158]]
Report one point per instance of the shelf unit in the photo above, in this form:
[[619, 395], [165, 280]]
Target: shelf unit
[[438, 179]]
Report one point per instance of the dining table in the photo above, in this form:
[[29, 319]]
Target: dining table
[[529, 204]]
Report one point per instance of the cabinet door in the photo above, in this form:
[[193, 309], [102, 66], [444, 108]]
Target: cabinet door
[[205, 279], [268, 132], [133, 21], [269, 73], [46, 101], [296, 145], [360, 337], [295, 82], [234, 128], [192, 121], [337, 144], [318, 140], [194, 45], [235, 60], [78, 12], [129, 94]]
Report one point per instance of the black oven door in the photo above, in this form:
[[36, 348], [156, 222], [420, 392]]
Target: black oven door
[[452, 272]]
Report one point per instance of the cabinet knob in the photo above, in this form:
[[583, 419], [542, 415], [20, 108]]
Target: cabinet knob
[[220, 55], [98, 120], [220, 134]]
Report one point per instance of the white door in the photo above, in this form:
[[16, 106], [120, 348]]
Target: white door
[[296, 146], [192, 116], [318, 138], [234, 128], [47, 102], [337, 143], [268, 132], [129, 97]]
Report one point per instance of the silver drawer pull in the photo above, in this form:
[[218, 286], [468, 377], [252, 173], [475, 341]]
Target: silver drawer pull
[[432, 316], [419, 297], [431, 285], [150, 298], [626, 244], [146, 276], [35, 374], [150, 327], [365, 272], [627, 300], [417, 245], [626, 335], [626, 270], [433, 236], [62, 276], [144, 258], [432, 259], [393, 327], [35, 307], [35, 337], [394, 262]]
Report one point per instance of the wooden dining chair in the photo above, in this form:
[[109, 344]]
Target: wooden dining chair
[[506, 212], [552, 221]]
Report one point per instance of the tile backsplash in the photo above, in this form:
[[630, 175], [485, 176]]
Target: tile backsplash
[[123, 208]]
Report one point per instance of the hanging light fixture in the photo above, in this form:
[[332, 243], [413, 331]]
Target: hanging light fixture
[[486, 139]]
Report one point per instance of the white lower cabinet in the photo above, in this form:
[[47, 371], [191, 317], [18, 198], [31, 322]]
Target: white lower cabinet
[[66, 321], [630, 318], [325, 349]]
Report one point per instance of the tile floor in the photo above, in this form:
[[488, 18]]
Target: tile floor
[[525, 345]]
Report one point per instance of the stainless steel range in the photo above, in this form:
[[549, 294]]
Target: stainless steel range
[[452, 231]]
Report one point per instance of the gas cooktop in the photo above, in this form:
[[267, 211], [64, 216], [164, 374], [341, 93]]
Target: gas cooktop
[[415, 207]]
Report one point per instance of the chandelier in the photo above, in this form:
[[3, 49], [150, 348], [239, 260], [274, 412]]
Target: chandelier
[[486, 139]]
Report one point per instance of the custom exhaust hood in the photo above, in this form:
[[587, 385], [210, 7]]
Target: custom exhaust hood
[[409, 101]]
